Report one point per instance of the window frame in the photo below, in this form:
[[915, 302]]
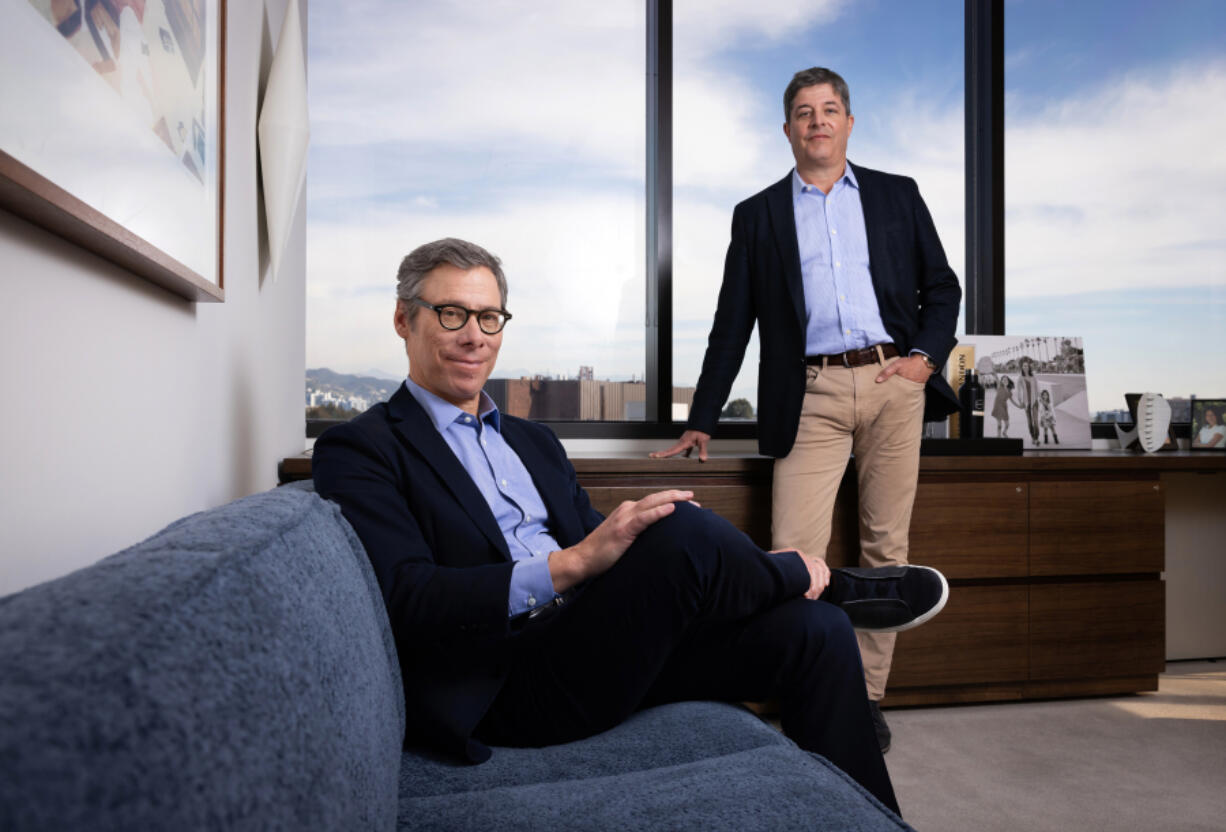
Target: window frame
[[983, 276]]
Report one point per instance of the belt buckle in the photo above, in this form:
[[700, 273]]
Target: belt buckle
[[846, 362]]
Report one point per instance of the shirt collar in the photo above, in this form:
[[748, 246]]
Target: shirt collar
[[444, 414], [799, 185]]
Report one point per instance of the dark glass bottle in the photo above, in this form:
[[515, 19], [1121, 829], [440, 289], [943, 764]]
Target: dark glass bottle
[[970, 397]]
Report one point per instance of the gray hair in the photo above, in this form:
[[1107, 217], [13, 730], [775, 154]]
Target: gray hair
[[812, 77], [424, 259]]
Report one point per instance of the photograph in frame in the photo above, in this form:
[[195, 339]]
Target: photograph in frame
[[1208, 425], [111, 133], [1034, 388]]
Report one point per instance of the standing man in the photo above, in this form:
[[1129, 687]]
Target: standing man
[[856, 305], [524, 617]]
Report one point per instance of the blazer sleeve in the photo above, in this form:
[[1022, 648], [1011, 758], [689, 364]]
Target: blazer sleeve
[[427, 600], [735, 314], [940, 296]]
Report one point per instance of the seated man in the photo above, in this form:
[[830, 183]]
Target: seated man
[[524, 617]]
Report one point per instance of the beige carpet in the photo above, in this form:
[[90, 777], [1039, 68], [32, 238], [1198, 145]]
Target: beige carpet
[[1147, 762]]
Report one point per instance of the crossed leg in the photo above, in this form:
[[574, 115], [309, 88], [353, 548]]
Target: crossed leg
[[693, 610]]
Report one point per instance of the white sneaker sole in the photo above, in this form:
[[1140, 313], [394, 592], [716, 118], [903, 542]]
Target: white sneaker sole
[[926, 617]]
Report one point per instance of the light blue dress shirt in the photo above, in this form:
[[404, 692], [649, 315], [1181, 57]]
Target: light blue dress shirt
[[840, 307], [507, 487]]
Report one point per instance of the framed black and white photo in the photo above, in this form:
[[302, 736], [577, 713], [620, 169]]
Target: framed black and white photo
[[1034, 388], [111, 131]]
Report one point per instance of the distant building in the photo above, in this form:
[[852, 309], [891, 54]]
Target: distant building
[[578, 400]]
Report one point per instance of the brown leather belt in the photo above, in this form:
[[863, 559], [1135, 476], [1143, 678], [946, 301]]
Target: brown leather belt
[[853, 358]]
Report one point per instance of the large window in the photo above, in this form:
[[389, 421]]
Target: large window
[[525, 126], [516, 125], [903, 62], [1115, 190]]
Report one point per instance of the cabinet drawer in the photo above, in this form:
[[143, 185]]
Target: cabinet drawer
[[1097, 629], [980, 637], [1096, 527], [971, 529]]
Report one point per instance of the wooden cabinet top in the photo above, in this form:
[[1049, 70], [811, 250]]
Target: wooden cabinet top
[[752, 465], [1114, 462]]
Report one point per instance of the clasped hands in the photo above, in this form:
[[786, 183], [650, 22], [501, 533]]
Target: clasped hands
[[604, 546]]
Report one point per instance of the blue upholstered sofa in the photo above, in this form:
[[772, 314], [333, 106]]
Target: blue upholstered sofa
[[236, 671]]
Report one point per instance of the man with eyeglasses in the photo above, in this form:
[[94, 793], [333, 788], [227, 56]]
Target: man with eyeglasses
[[843, 272], [523, 617]]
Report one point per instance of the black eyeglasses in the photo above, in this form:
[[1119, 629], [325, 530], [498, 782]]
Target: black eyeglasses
[[455, 317]]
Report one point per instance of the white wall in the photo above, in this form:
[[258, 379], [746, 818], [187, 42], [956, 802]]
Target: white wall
[[1195, 565], [125, 407]]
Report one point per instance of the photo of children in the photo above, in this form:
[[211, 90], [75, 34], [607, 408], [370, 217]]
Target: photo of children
[[1034, 389]]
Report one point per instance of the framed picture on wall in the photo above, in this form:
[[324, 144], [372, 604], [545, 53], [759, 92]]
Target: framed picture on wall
[[111, 131], [1208, 424]]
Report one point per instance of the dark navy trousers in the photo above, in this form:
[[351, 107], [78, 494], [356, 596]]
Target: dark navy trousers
[[693, 610]]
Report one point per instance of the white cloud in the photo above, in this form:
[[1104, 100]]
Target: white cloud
[[1120, 187], [574, 267], [565, 75], [724, 139], [706, 26]]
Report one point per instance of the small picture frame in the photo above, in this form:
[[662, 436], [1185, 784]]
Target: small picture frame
[[1208, 424]]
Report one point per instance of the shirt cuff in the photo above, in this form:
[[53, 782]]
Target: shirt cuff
[[919, 352], [531, 585]]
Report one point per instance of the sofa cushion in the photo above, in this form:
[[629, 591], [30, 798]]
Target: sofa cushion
[[691, 765], [234, 671]]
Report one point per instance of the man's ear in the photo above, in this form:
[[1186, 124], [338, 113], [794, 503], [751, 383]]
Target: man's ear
[[401, 319]]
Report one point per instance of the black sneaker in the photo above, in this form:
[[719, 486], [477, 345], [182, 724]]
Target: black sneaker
[[888, 599], [883, 730]]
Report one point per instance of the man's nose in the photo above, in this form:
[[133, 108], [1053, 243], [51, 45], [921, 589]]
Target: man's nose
[[471, 331]]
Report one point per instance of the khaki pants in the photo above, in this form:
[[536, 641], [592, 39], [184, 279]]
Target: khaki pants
[[846, 411]]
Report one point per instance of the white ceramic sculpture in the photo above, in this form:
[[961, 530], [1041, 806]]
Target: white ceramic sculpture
[[1153, 422]]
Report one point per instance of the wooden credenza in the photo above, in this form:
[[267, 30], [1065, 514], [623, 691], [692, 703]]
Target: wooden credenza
[[1054, 559]]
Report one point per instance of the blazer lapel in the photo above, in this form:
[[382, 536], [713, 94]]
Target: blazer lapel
[[551, 483], [413, 425], [874, 217], [783, 226]]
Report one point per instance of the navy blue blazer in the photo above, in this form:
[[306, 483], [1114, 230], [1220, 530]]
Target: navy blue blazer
[[917, 293], [442, 562]]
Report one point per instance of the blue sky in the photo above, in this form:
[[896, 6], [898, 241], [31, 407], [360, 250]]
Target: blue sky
[[519, 125]]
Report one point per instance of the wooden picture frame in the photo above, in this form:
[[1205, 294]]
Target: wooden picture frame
[[112, 133]]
